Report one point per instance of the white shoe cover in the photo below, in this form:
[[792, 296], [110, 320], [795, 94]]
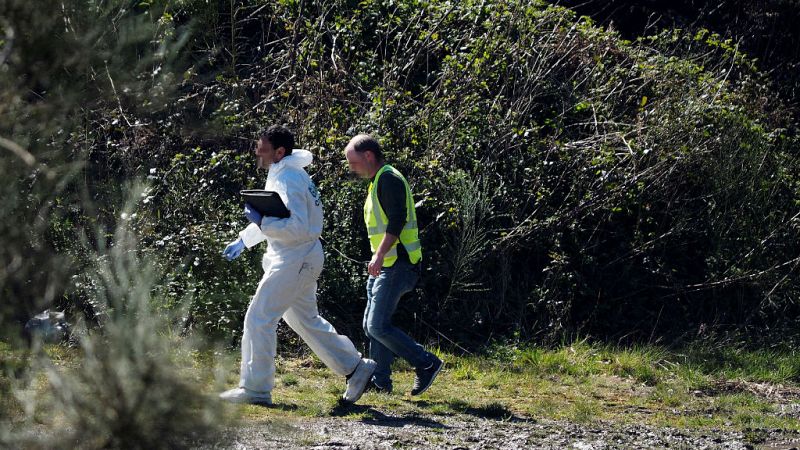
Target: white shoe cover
[[244, 395], [358, 381]]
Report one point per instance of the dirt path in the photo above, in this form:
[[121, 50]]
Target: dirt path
[[385, 431]]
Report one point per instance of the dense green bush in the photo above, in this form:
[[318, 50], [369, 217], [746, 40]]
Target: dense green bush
[[81, 83], [751, 26], [570, 182], [75, 77]]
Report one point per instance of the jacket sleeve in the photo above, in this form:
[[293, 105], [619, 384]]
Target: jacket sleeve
[[296, 227], [392, 196], [252, 235]]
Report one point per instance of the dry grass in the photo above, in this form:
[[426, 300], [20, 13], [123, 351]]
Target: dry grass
[[575, 384], [578, 383]]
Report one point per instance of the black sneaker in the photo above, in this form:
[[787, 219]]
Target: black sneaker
[[425, 377], [372, 387]]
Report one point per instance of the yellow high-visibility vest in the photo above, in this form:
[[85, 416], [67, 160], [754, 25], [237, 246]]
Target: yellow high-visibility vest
[[376, 221]]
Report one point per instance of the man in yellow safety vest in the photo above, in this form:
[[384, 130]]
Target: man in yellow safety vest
[[391, 222]]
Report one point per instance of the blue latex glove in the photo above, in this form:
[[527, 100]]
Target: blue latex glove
[[251, 214], [233, 250]]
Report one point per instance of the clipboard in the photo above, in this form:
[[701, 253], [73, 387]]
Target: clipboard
[[267, 203]]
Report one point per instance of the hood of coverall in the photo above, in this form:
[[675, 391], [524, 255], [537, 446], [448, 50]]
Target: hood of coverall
[[299, 158]]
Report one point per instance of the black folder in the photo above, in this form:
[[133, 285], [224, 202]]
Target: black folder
[[268, 203]]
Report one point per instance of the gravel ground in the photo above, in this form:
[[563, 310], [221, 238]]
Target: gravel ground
[[384, 431]]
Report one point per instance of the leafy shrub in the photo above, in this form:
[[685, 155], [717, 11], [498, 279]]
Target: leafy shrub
[[127, 390], [570, 182]]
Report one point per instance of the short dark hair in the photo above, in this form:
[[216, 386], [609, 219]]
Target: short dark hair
[[364, 142], [279, 136]]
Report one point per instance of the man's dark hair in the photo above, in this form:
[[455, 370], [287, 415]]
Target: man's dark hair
[[365, 142], [279, 136]]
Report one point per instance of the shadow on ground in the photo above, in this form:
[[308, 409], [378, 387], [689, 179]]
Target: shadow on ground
[[492, 410], [374, 417], [281, 406]]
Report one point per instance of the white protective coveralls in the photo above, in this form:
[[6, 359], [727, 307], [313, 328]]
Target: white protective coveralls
[[292, 264]]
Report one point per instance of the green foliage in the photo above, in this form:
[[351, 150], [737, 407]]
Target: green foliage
[[733, 362], [624, 188], [125, 387], [77, 77], [82, 83], [748, 27], [570, 182], [698, 368]]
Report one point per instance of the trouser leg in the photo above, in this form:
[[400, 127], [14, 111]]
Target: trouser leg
[[377, 351], [385, 291], [259, 340], [336, 351]]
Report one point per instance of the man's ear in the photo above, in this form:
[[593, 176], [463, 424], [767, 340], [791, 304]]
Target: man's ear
[[280, 152]]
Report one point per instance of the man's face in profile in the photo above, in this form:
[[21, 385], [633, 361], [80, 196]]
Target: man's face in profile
[[266, 154]]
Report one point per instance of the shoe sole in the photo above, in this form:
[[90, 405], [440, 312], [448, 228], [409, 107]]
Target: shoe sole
[[435, 374], [249, 402], [359, 394]]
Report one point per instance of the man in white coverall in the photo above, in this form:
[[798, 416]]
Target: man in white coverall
[[292, 265]]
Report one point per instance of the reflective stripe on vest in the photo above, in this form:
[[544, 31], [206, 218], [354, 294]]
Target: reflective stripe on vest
[[376, 221]]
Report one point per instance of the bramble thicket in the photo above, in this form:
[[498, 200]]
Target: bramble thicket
[[570, 182]]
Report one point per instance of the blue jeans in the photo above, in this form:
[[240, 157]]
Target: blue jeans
[[386, 340]]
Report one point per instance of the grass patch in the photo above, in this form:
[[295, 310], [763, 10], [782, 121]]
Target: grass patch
[[492, 381], [769, 365], [692, 388], [670, 394], [289, 380], [641, 364], [585, 411], [465, 372]]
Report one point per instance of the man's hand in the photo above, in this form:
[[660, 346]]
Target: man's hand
[[375, 265], [233, 250], [386, 244], [251, 214]]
